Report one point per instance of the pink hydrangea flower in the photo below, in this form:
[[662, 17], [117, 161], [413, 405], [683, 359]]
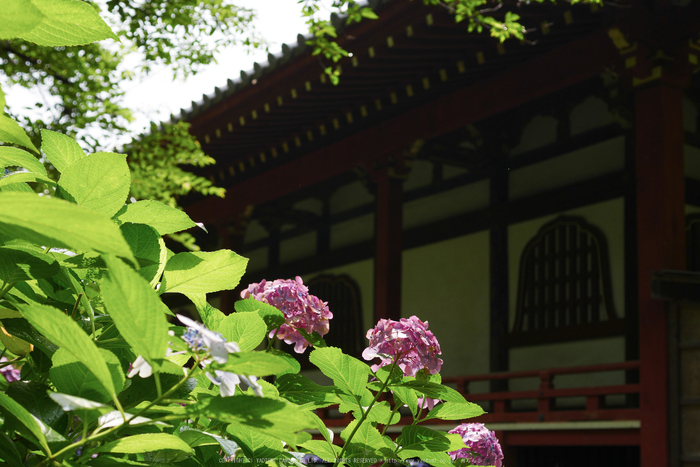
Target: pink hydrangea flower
[[9, 372], [407, 340], [301, 310], [482, 448]]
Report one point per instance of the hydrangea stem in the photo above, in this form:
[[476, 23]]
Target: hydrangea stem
[[365, 413]]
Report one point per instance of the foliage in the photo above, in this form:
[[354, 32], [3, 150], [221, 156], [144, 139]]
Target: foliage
[[480, 14]]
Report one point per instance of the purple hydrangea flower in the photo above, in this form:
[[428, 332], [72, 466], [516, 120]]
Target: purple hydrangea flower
[[9, 372], [408, 342], [482, 445], [301, 310]]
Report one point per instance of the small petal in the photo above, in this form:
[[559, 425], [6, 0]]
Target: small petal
[[141, 367]]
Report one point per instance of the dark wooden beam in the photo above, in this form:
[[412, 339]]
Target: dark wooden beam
[[519, 84]]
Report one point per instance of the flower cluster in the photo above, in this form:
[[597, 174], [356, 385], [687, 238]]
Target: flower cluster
[[482, 445], [199, 338], [301, 310], [408, 342], [9, 372]]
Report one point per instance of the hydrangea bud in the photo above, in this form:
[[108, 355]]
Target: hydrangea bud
[[301, 310], [407, 341], [9, 372], [482, 448]]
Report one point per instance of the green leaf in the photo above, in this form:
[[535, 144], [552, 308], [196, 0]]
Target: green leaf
[[66, 23], [61, 150], [69, 403], [367, 439], [325, 450], [24, 177], [148, 248], [407, 397], [416, 440], [163, 218], [73, 377], [18, 17], [348, 373], [455, 411], [9, 451], [203, 272], [245, 329], [66, 333], [136, 310], [201, 438], [435, 391], [16, 157], [272, 317], [272, 417], [211, 317], [2, 94], [314, 338], [294, 366], [137, 444], [99, 182], [302, 391], [255, 445], [255, 363], [11, 132], [22, 265], [35, 428], [57, 223]]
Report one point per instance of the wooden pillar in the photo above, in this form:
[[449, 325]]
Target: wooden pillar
[[660, 245], [387, 259]]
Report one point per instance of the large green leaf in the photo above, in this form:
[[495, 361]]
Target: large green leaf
[[272, 417], [18, 264], [326, 451], [66, 23], [137, 444], [71, 376], [99, 182], [148, 248], [136, 309], [16, 157], [435, 391], [366, 440], [25, 177], [57, 223], [200, 272], [11, 132], [163, 218], [255, 445], [18, 17], [348, 373], [455, 411], [256, 363], [211, 317], [34, 427], [416, 440], [9, 451], [2, 96], [61, 150], [302, 391], [201, 438], [245, 329], [66, 333], [272, 316]]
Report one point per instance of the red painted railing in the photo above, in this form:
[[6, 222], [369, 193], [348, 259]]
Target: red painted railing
[[545, 403]]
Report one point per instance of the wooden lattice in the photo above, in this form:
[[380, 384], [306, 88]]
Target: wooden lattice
[[564, 288]]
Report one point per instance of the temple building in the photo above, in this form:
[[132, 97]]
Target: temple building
[[531, 199]]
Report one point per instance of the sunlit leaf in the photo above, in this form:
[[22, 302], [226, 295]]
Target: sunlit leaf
[[67, 22], [16, 157], [161, 217], [61, 150], [203, 272], [11, 132]]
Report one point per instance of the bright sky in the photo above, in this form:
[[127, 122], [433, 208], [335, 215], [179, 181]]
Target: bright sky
[[279, 21], [159, 95]]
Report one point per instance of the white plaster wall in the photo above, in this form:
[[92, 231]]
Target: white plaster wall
[[350, 196], [589, 114], [257, 259], [420, 175], [446, 204], [538, 132], [599, 159], [352, 231], [692, 162], [299, 247], [690, 115], [447, 284]]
